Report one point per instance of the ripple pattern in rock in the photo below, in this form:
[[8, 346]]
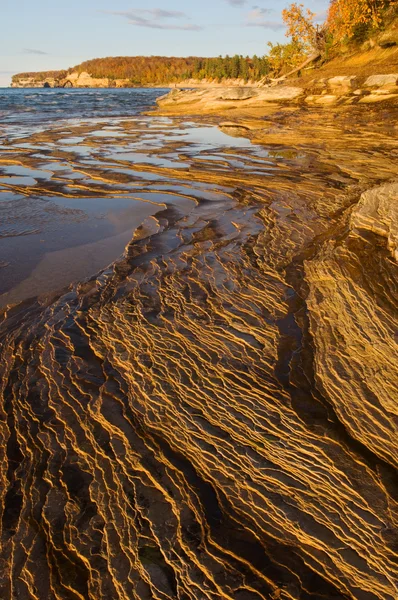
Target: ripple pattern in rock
[[215, 417]]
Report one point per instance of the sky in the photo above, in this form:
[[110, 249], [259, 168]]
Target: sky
[[41, 35]]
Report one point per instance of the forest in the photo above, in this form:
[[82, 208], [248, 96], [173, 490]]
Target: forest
[[158, 69], [145, 70]]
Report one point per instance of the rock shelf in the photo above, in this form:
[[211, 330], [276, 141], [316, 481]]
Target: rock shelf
[[215, 416], [339, 90]]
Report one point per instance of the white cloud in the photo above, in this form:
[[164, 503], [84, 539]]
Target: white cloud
[[156, 18], [33, 51], [258, 18]]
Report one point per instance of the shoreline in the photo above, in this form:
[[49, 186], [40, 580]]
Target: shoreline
[[252, 118], [329, 93]]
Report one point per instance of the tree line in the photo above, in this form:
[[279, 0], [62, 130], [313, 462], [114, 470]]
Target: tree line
[[158, 69]]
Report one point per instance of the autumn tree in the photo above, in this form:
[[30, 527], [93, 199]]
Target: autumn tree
[[346, 16], [300, 25], [282, 57]]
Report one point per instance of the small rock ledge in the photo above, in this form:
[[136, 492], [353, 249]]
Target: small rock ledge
[[319, 92]]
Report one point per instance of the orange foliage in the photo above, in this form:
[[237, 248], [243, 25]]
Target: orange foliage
[[300, 25], [140, 69], [346, 15]]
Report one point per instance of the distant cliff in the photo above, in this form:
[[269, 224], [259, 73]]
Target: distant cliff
[[62, 79], [28, 80], [142, 71]]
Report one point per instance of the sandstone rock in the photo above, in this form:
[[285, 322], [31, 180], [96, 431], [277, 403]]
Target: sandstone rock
[[343, 83], [327, 99], [389, 38], [324, 99], [85, 80], [318, 84], [377, 211], [372, 98], [33, 82], [175, 415], [237, 94], [384, 91], [216, 98], [354, 339], [281, 93], [381, 80]]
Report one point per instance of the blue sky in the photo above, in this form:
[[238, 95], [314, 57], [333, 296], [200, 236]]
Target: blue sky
[[54, 34]]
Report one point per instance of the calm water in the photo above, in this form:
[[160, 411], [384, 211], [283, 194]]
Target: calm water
[[19, 106]]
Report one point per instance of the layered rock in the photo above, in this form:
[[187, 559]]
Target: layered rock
[[34, 82], [326, 92], [353, 310], [214, 99], [343, 84], [377, 212], [381, 81], [214, 416], [389, 38], [85, 80]]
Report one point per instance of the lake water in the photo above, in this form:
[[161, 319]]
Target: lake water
[[43, 105], [81, 170]]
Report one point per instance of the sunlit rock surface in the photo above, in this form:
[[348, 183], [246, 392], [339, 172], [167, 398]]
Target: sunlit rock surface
[[215, 416], [377, 212]]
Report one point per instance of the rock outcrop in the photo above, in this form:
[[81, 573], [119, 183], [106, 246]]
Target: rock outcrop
[[73, 79], [381, 81], [34, 82], [389, 38], [213, 99], [349, 90], [343, 84], [354, 322], [84, 80], [377, 212]]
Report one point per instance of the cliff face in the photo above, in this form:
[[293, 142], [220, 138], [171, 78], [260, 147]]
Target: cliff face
[[74, 79], [85, 80], [33, 82]]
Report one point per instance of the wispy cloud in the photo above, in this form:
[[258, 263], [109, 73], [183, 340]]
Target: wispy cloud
[[156, 18], [237, 2], [258, 17], [33, 51]]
